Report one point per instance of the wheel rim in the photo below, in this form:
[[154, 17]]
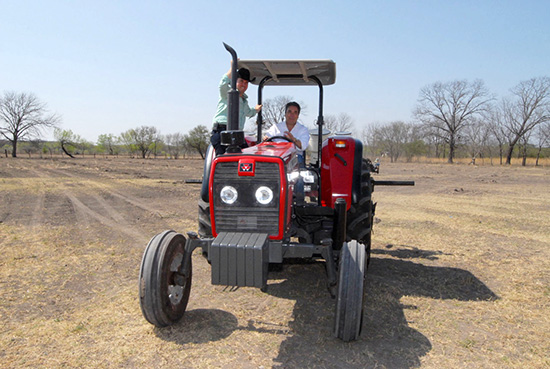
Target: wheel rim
[[173, 284], [176, 281]]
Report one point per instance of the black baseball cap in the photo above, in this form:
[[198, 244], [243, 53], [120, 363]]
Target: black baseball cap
[[245, 74]]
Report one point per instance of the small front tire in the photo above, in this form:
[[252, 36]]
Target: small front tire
[[163, 288]]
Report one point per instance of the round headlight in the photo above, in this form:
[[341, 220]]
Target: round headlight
[[229, 195], [264, 195]]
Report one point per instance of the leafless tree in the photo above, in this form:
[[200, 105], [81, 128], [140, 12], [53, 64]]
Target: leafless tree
[[22, 116], [338, 124], [435, 140], [415, 144], [174, 144], [477, 136], [369, 140], [523, 144], [528, 108], [273, 110], [543, 139], [496, 128], [449, 107], [392, 138]]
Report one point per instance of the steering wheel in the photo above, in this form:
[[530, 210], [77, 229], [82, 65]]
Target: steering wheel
[[270, 139]]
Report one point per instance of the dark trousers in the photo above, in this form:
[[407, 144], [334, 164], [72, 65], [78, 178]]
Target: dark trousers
[[215, 139]]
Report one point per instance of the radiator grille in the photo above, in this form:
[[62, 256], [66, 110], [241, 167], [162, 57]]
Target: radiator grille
[[246, 214]]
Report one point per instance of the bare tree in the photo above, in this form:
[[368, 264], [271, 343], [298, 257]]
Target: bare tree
[[174, 144], [369, 139], [529, 107], [31, 147], [524, 146], [476, 136], [415, 145], [392, 138], [435, 141], [496, 128], [273, 110], [22, 115], [543, 139], [448, 107], [341, 123]]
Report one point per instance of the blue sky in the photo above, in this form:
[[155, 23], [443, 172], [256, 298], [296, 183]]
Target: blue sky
[[108, 66]]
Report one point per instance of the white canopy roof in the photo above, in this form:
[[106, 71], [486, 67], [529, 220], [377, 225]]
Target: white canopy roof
[[290, 72]]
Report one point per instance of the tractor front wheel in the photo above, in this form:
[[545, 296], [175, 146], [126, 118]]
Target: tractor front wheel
[[164, 284], [350, 298]]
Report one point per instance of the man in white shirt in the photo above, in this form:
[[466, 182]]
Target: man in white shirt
[[296, 132]]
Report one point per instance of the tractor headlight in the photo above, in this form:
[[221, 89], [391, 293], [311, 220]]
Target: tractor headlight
[[264, 195], [229, 195]]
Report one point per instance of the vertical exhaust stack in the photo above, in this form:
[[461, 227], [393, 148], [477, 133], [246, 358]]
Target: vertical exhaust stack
[[233, 137]]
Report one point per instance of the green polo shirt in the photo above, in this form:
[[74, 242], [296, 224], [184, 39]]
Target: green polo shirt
[[221, 111]]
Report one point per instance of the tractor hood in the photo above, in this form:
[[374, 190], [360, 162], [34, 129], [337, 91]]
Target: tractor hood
[[290, 72], [283, 150]]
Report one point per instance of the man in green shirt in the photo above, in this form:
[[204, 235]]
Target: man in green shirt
[[220, 119]]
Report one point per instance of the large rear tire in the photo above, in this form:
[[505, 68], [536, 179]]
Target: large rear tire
[[360, 215], [205, 224], [163, 288], [350, 298]]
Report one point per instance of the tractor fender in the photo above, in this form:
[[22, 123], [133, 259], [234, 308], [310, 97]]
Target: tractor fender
[[208, 158]]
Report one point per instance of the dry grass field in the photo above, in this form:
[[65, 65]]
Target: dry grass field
[[459, 276]]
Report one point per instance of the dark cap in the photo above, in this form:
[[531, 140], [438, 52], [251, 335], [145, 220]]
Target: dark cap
[[245, 74]]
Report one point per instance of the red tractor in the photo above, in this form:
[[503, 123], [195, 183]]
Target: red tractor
[[259, 208]]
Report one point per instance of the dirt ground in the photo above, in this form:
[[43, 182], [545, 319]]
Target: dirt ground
[[459, 276]]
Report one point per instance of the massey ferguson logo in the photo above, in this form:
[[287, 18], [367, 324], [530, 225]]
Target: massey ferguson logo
[[246, 168]]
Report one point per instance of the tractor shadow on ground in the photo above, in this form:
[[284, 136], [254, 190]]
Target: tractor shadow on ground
[[386, 339], [206, 325]]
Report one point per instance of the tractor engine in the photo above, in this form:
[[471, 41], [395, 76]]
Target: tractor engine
[[254, 190]]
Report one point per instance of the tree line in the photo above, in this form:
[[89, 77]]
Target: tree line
[[453, 118], [460, 112], [143, 142]]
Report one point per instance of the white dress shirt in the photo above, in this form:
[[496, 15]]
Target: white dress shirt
[[300, 132]]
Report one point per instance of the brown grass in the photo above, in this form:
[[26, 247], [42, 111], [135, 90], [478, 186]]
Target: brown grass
[[459, 274]]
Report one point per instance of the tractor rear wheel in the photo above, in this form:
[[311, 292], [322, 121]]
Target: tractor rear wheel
[[350, 298], [360, 214], [205, 225], [163, 287]]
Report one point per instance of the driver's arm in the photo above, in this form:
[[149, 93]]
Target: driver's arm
[[270, 132], [301, 138]]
